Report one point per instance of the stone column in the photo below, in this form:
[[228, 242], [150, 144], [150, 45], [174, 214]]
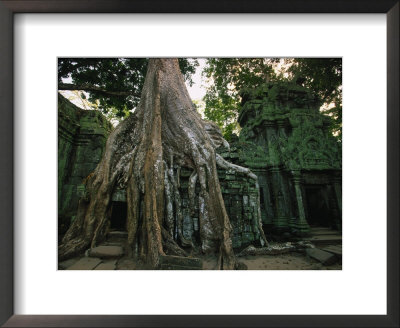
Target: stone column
[[337, 185], [269, 128], [301, 223], [267, 212], [281, 129], [280, 220], [337, 196]]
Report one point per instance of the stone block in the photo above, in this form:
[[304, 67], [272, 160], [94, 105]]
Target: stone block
[[195, 224], [230, 177], [106, 252], [187, 225], [185, 173], [118, 234], [325, 258], [85, 263], [119, 195], [234, 185], [109, 265], [66, 264], [170, 262], [334, 249], [80, 190]]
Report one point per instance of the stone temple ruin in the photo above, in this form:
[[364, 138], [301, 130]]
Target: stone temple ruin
[[285, 140], [287, 143], [82, 135]]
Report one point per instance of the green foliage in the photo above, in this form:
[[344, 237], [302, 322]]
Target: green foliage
[[229, 77], [118, 75], [223, 113], [294, 133], [324, 77]]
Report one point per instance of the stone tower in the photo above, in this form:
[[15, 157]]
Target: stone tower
[[287, 142]]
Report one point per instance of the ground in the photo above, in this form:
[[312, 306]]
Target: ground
[[324, 252], [290, 261]]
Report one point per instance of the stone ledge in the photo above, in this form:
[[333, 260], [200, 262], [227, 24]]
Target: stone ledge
[[325, 258]]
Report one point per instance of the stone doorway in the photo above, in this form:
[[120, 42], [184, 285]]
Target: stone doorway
[[118, 216], [318, 212]]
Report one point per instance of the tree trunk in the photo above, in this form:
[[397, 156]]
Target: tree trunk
[[141, 156]]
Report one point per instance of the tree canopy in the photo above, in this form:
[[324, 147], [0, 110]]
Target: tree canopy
[[114, 84], [228, 76], [324, 77]]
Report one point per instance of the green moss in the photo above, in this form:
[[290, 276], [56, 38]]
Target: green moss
[[82, 135], [308, 146]]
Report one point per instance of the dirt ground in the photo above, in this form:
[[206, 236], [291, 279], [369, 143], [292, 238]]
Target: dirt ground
[[289, 261]]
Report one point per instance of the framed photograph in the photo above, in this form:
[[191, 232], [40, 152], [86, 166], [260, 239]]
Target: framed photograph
[[47, 278]]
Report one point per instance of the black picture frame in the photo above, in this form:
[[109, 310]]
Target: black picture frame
[[10, 7]]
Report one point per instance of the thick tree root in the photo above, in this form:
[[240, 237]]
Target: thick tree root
[[276, 249], [170, 246]]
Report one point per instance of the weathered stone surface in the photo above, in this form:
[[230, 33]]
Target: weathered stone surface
[[126, 263], [109, 265], [85, 263], [286, 141], [82, 135], [326, 240], [180, 263], [118, 234], [334, 249], [240, 197], [66, 264], [325, 258], [106, 252], [119, 195]]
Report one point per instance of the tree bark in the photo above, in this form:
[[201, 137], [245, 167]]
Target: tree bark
[[141, 155]]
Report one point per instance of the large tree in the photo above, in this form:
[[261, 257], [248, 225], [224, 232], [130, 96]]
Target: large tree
[[143, 155]]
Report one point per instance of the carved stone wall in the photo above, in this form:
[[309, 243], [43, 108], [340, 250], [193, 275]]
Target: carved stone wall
[[286, 141], [241, 202], [82, 135]]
